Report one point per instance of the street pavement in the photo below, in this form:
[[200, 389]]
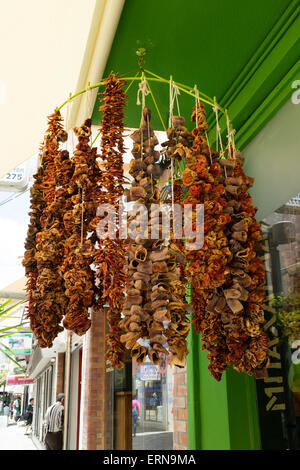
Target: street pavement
[[153, 441], [13, 438]]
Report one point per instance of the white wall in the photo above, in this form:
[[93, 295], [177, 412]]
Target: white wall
[[273, 159]]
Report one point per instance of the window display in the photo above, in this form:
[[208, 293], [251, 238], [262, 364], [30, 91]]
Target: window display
[[152, 396], [278, 394]]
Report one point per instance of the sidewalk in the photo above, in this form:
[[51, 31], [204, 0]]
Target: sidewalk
[[13, 438]]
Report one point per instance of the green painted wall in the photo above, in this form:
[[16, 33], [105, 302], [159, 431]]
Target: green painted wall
[[242, 411], [209, 43], [222, 415]]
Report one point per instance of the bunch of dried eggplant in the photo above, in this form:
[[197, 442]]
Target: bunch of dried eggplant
[[78, 248], [152, 310], [178, 328], [47, 293]]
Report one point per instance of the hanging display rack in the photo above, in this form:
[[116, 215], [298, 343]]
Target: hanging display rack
[[154, 78], [226, 277], [141, 75]]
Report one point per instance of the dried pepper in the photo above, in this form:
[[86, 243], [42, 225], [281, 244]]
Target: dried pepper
[[79, 248], [206, 267], [226, 268], [110, 255], [29, 262], [243, 293], [48, 291]]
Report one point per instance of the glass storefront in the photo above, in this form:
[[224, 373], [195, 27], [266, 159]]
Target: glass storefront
[[279, 393], [43, 399], [152, 389], [139, 406]]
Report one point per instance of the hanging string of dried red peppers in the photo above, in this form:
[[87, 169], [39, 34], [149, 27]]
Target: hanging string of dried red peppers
[[231, 326], [110, 256], [243, 293], [29, 262], [207, 267]]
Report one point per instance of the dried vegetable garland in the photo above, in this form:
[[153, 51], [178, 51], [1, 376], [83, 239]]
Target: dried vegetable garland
[[154, 306], [227, 331], [179, 326], [29, 262], [140, 322], [78, 248], [207, 267], [243, 292], [69, 268], [48, 293], [110, 256]]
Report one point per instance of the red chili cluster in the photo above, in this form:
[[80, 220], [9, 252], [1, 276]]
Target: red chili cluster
[[243, 294], [206, 267], [110, 256], [226, 268]]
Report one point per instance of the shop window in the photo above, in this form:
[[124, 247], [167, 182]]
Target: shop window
[[37, 408], [149, 387], [152, 392], [279, 393], [43, 399]]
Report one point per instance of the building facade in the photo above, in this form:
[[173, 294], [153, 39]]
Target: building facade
[[254, 73]]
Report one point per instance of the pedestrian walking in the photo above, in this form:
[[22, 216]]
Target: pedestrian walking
[[135, 414], [28, 416], [6, 411], [54, 421], [17, 409]]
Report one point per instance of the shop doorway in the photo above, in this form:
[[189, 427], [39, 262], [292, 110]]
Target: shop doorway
[[75, 400], [149, 388], [152, 388]]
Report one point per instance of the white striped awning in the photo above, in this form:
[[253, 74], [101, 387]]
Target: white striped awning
[[48, 49]]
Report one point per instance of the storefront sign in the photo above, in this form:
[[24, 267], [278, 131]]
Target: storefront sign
[[273, 389], [15, 180], [18, 380], [20, 343], [148, 371]]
